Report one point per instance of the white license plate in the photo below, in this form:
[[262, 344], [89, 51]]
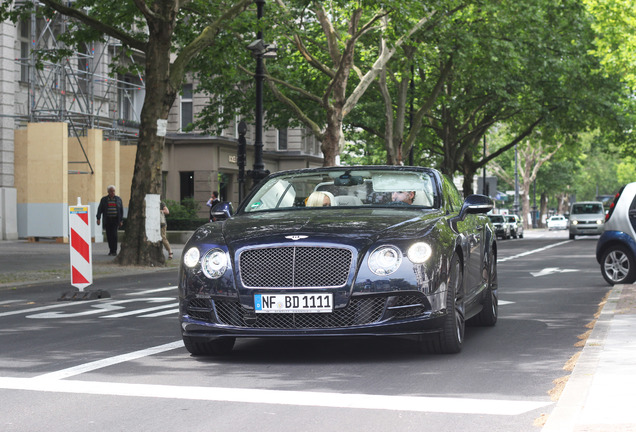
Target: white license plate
[[293, 303]]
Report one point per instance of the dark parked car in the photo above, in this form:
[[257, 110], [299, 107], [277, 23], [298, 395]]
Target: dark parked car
[[616, 249], [342, 251]]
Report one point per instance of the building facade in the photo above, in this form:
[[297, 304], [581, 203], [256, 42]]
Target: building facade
[[93, 121]]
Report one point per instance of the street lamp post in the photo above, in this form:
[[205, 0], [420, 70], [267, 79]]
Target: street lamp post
[[516, 204], [259, 50], [241, 158]]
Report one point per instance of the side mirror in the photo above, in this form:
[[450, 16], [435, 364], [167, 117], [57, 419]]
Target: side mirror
[[221, 211], [474, 204]]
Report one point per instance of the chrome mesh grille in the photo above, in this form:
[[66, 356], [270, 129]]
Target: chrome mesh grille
[[358, 312], [295, 266]]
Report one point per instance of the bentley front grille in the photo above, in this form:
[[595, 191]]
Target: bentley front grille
[[358, 312], [295, 267]]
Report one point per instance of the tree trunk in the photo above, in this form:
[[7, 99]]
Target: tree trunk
[[330, 145], [136, 249]]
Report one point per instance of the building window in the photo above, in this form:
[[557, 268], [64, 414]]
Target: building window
[[186, 183], [186, 107], [131, 95], [83, 69], [24, 50], [282, 139], [164, 184]]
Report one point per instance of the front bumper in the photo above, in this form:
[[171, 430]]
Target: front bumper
[[582, 228], [378, 315]]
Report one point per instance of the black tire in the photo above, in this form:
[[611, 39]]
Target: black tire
[[490, 307], [451, 338], [200, 346], [618, 265], [572, 236], [521, 235]]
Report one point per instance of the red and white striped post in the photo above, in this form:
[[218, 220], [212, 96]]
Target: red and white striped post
[[80, 241]]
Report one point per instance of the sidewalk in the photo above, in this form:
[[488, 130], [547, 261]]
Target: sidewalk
[[598, 397], [25, 263]]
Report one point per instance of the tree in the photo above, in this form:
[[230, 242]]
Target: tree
[[149, 27], [532, 153], [328, 57]]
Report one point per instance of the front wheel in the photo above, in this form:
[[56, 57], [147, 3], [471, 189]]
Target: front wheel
[[490, 307], [451, 338], [618, 266]]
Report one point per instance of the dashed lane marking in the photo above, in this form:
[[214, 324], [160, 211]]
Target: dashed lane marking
[[530, 252]]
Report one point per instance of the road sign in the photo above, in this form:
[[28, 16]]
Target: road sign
[[80, 241]]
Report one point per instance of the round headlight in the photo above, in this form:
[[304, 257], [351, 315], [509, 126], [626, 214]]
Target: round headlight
[[419, 252], [385, 260], [575, 222], [191, 257], [214, 263], [599, 222]]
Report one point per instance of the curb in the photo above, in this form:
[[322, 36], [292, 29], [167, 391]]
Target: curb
[[568, 414]]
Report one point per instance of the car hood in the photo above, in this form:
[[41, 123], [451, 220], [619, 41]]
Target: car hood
[[351, 227]]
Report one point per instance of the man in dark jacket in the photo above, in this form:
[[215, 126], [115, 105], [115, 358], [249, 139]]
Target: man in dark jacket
[[112, 208]]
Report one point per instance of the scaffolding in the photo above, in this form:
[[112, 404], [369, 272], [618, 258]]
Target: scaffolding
[[79, 89]]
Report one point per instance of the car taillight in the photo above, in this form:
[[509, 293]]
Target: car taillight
[[613, 204]]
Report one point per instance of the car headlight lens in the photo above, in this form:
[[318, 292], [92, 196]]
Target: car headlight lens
[[191, 257], [575, 222], [599, 222], [385, 260], [419, 253], [215, 263]]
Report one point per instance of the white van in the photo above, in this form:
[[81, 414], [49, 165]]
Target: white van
[[586, 218]]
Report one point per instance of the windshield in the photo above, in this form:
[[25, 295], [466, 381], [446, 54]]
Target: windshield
[[496, 219], [588, 208], [345, 188]]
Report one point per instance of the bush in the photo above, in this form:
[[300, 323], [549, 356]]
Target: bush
[[183, 215], [186, 209]]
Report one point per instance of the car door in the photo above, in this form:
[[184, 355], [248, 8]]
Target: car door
[[472, 229]]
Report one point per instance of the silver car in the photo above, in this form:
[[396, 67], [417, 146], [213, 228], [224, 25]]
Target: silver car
[[586, 218], [516, 226], [616, 249]]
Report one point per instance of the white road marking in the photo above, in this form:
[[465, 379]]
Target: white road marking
[[106, 306], [99, 364], [158, 314], [10, 301], [43, 308], [530, 252], [138, 311], [551, 270], [280, 397], [152, 291]]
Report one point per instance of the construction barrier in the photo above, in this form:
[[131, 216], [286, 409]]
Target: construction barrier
[[80, 241]]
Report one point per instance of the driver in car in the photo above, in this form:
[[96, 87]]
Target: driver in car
[[403, 197]]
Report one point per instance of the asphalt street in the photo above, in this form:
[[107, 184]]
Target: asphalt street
[[121, 361]]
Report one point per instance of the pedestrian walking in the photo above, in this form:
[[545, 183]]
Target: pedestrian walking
[[164, 239], [112, 208]]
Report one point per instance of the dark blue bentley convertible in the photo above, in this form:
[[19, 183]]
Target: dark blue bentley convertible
[[342, 251]]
